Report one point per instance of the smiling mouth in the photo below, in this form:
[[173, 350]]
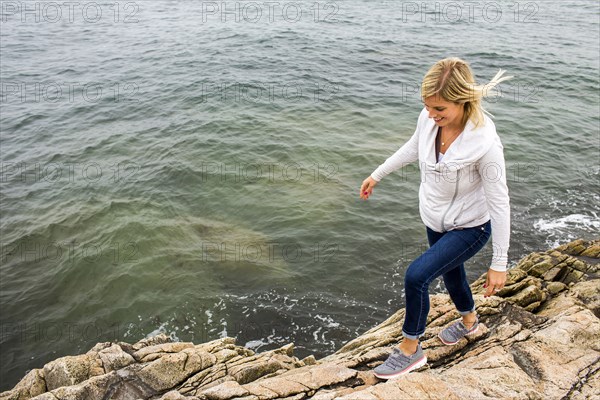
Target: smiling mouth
[[438, 119]]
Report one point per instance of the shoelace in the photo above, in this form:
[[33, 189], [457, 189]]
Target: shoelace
[[395, 360], [459, 328]]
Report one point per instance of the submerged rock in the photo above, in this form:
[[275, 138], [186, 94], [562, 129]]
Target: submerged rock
[[538, 339]]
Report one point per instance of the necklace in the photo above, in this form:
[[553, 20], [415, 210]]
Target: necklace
[[452, 137]]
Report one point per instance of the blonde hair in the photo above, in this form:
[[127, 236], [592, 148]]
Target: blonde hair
[[452, 79]]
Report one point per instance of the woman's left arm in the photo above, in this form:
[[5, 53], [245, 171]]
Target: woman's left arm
[[492, 170]]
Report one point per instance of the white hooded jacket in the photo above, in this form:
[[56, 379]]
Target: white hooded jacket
[[467, 188]]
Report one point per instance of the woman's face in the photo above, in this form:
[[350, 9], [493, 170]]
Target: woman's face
[[445, 113]]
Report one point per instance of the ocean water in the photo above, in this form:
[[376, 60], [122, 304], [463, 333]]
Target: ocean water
[[177, 167]]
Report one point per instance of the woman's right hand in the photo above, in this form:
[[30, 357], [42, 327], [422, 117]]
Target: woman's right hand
[[367, 187]]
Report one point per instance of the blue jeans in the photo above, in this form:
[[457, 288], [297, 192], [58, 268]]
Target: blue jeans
[[446, 256]]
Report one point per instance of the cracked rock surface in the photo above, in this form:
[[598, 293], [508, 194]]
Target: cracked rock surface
[[539, 338]]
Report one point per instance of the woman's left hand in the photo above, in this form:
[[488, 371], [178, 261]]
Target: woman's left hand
[[494, 281]]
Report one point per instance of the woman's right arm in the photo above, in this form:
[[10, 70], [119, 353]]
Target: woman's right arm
[[406, 154]]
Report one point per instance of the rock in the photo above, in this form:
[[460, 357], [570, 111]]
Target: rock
[[71, 370], [152, 352], [31, 385], [172, 369], [575, 247], [573, 276], [226, 390], [528, 294], [554, 274], [91, 389], [541, 268], [175, 395], [235, 363], [556, 287], [151, 341], [592, 251], [537, 339], [67, 371], [309, 360], [289, 384], [416, 385], [588, 292], [248, 373], [114, 358]]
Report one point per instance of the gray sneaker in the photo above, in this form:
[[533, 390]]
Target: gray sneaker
[[453, 333], [398, 364]]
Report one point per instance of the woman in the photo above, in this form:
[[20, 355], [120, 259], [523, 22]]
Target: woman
[[463, 198]]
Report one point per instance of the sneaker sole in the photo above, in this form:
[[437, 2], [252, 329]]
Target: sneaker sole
[[474, 331], [405, 371]]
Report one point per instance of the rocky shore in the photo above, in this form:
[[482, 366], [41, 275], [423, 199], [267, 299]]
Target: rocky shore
[[539, 338]]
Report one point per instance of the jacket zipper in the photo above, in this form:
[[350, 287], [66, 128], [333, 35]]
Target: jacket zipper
[[452, 202]]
